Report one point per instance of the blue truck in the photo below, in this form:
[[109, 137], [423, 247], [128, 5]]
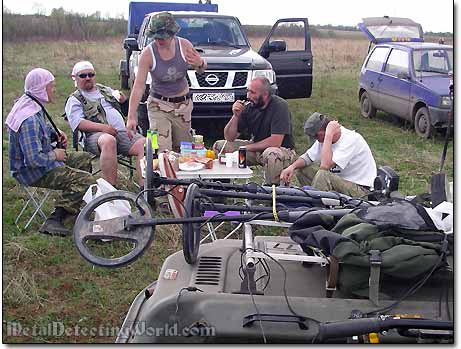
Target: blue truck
[[232, 62]]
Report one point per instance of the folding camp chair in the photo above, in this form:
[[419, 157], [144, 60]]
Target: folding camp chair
[[36, 197], [121, 159]]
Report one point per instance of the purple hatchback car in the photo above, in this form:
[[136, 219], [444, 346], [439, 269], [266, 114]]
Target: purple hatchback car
[[404, 76]]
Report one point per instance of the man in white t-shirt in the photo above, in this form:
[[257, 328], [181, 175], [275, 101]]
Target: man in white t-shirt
[[346, 163], [94, 109]]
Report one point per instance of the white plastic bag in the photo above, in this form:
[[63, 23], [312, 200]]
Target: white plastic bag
[[108, 210], [436, 214]]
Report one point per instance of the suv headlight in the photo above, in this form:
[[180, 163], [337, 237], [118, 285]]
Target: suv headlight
[[268, 73], [445, 101]]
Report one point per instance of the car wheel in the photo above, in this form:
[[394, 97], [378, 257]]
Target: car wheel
[[367, 110], [423, 125]]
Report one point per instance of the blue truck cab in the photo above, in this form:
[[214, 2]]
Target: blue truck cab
[[404, 76]]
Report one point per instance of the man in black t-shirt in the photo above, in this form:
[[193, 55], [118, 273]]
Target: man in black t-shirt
[[268, 121]]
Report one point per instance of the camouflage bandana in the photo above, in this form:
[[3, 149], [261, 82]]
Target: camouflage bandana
[[163, 26]]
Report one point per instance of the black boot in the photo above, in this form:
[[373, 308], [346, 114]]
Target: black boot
[[54, 223]]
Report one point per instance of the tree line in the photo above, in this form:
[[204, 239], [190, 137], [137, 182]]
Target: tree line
[[64, 25], [61, 25]]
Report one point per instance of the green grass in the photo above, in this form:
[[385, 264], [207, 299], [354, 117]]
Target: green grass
[[45, 279]]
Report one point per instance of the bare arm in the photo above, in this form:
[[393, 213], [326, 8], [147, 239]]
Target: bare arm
[[192, 56], [326, 155], [90, 126], [231, 129], [145, 64], [274, 140], [299, 163], [287, 173]]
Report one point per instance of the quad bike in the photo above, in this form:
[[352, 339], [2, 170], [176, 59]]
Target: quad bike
[[278, 289]]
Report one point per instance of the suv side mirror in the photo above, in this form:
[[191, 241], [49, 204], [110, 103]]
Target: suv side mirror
[[131, 44], [277, 46], [403, 76], [273, 46]]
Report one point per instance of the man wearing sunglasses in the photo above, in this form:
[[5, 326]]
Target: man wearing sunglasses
[[268, 121], [94, 109]]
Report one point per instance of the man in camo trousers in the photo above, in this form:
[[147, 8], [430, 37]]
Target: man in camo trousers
[[268, 120], [34, 160], [346, 163]]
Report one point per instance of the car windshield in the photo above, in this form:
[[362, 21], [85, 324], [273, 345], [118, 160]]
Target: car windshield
[[433, 62], [211, 31]]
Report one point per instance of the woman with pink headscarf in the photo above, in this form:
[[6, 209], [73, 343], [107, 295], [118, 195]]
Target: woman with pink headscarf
[[33, 159]]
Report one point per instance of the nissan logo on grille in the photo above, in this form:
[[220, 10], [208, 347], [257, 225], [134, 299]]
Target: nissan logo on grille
[[212, 79]]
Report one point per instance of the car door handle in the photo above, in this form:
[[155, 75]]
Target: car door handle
[[380, 79], [305, 59]]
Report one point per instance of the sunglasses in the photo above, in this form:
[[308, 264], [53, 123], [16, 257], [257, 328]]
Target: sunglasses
[[84, 75], [164, 31]]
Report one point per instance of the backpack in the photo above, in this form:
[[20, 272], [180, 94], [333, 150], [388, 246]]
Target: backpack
[[398, 234]]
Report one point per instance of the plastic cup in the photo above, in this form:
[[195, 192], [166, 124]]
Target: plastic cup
[[229, 160]]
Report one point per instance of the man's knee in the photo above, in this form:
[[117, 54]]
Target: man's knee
[[138, 147], [321, 173], [81, 161], [272, 155], [321, 176], [272, 160], [323, 180], [107, 142], [306, 175], [81, 180]]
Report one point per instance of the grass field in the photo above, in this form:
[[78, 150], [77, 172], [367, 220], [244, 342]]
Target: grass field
[[45, 280]]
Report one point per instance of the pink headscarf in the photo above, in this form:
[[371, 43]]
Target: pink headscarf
[[35, 84]]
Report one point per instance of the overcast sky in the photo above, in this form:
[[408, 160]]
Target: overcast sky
[[436, 16]]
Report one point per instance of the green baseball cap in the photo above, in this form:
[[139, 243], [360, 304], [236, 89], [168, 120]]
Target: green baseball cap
[[163, 26], [313, 125]]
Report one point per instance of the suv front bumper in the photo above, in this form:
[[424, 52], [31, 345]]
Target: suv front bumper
[[216, 110], [219, 110]]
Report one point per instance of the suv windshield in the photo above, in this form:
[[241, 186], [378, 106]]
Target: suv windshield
[[433, 61], [210, 31]]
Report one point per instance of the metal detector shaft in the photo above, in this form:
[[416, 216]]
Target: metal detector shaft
[[262, 196], [447, 134], [245, 208], [251, 188], [293, 213], [133, 222], [283, 216], [249, 261]]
